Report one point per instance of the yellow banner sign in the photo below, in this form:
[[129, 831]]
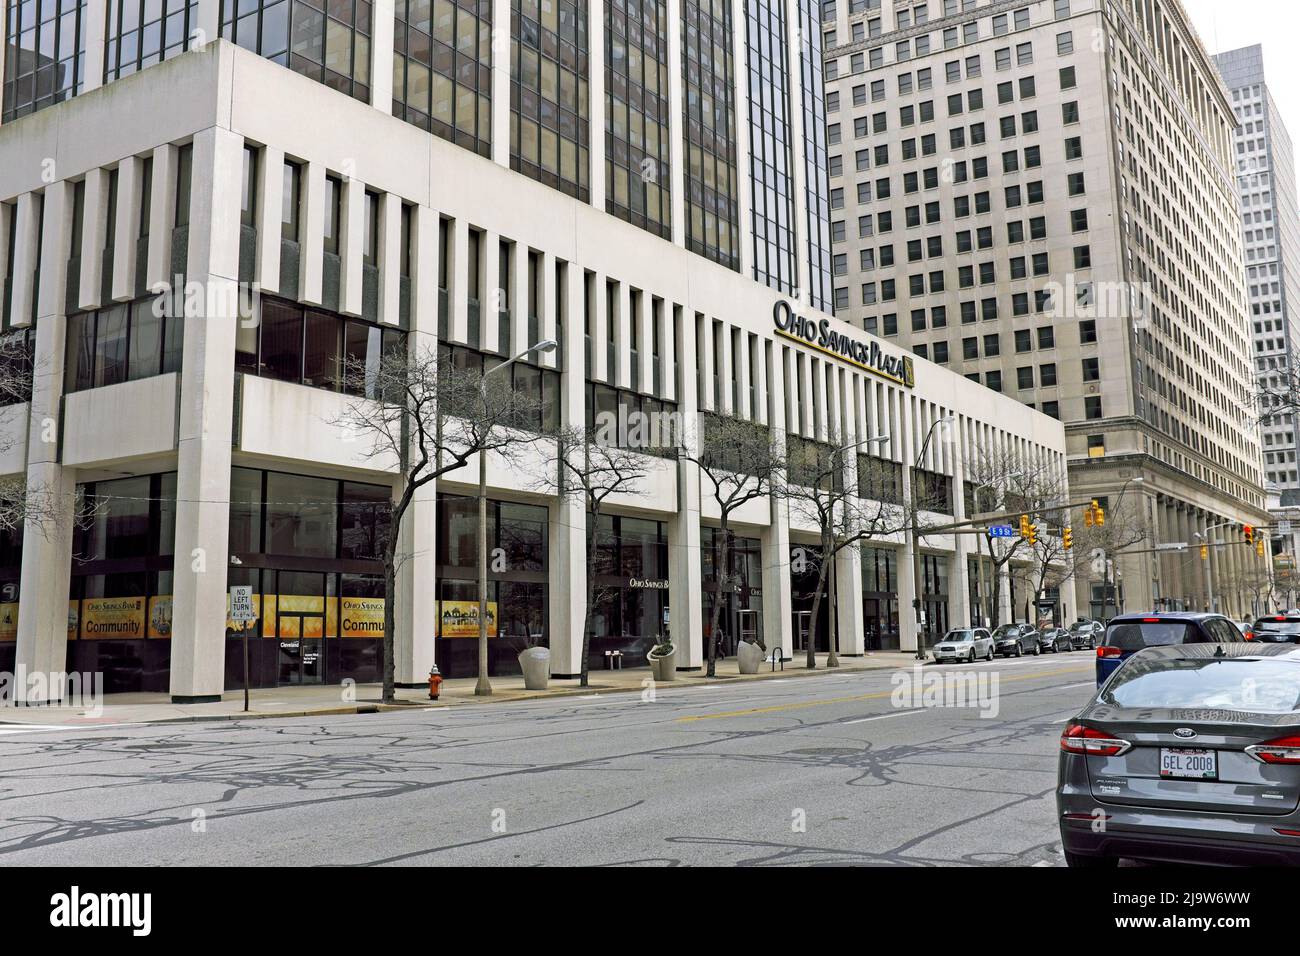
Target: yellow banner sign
[[160, 616], [460, 619], [363, 616], [108, 618]]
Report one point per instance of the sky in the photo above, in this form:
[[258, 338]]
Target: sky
[[1230, 24]]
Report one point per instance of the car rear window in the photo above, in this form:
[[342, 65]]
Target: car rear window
[[1278, 627], [1135, 635], [1240, 684]]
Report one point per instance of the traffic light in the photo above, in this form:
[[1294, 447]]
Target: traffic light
[[1249, 532], [1024, 526], [1205, 552], [1100, 516], [1259, 547], [1033, 534], [1067, 538], [1089, 516]]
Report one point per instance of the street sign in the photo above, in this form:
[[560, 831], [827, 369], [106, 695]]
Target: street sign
[[1171, 545], [1002, 531], [241, 604]]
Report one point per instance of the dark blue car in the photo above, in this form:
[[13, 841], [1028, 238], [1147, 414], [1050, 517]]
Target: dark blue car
[[1130, 633]]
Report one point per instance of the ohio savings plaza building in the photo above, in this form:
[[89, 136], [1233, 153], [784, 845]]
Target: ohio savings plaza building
[[212, 447]]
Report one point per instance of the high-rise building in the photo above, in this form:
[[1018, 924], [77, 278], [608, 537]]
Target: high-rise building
[[1042, 196], [642, 181], [1266, 182]]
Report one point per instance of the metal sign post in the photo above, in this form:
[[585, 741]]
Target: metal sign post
[[242, 613]]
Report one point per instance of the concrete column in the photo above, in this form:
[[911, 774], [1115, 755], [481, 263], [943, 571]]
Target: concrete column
[[906, 594], [959, 609], [424, 281], [6, 214], [390, 259], [596, 106], [26, 255], [623, 335], [352, 238], [94, 228], [493, 301], [685, 571], [722, 359], [502, 53], [381, 55], [746, 409], [676, 126], [645, 343], [672, 316], [778, 603], [311, 248], [270, 215], [547, 320], [126, 228], [207, 407], [567, 544], [94, 21], [599, 330], [162, 217], [520, 304], [207, 23], [47, 545], [848, 598], [706, 360], [459, 282]]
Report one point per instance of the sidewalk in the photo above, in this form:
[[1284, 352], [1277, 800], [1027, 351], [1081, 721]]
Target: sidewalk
[[322, 700]]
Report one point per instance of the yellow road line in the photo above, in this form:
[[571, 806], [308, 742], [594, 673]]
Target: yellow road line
[[799, 705]]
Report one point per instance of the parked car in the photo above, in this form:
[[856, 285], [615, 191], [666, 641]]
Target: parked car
[[1191, 754], [1130, 633], [964, 644], [1013, 640], [1054, 639], [1084, 634], [1276, 629]]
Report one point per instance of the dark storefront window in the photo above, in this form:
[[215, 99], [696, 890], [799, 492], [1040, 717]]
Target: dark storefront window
[[517, 583], [122, 343], [880, 598], [442, 69], [549, 97], [630, 569], [934, 595], [742, 611], [637, 138], [313, 347]]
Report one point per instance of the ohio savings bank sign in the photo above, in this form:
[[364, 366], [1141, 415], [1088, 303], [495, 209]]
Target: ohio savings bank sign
[[820, 335]]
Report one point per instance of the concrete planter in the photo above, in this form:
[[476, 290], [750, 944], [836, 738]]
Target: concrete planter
[[536, 665], [749, 657], [663, 668]]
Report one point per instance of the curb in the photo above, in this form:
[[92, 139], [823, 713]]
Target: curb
[[377, 707]]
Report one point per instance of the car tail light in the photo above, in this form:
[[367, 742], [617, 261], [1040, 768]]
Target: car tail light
[[1150, 620], [1286, 832], [1105, 651], [1082, 739], [1249, 635], [1281, 750]]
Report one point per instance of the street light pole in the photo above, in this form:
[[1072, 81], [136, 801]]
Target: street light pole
[[916, 537], [484, 686]]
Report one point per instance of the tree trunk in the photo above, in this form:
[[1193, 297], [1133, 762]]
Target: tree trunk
[[723, 577], [593, 517], [812, 622]]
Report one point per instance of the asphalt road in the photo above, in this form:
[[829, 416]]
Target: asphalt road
[[815, 770]]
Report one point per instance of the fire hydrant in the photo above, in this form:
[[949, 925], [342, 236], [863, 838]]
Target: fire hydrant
[[435, 682]]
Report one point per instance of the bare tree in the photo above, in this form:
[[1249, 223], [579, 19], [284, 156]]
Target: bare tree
[[817, 491], [427, 416], [589, 464], [739, 461]]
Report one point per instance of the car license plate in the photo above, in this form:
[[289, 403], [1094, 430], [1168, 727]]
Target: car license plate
[[1190, 764]]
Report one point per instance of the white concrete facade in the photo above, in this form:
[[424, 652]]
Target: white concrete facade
[[210, 108]]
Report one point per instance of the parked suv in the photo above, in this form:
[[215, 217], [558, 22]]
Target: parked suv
[[1276, 629], [1129, 633], [964, 644], [1085, 634], [1012, 640]]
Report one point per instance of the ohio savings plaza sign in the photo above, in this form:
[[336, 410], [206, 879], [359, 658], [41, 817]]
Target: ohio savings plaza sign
[[820, 336]]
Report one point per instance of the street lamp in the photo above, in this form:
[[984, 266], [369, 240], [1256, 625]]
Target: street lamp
[[832, 639], [916, 537], [484, 686]]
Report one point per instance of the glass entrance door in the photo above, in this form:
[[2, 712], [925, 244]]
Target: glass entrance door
[[301, 659]]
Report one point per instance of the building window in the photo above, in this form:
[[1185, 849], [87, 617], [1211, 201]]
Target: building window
[[142, 34], [637, 170], [442, 71], [712, 216], [550, 108], [816, 186], [308, 346], [771, 159], [122, 343], [44, 54], [328, 42]]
